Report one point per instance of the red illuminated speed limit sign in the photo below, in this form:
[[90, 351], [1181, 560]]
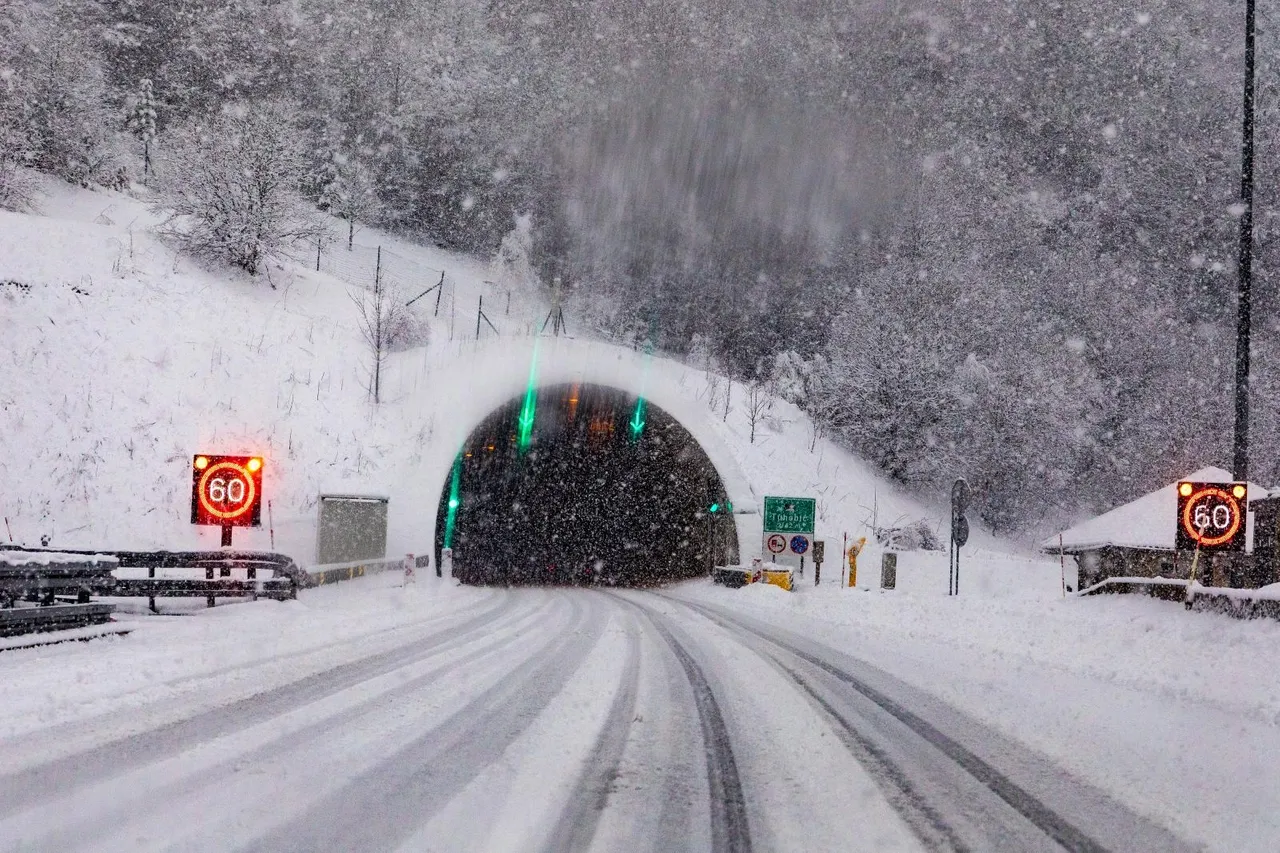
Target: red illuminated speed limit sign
[[1211, 516], [226, 491]]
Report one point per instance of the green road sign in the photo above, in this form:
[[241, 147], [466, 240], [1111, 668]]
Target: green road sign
[[789, 515]]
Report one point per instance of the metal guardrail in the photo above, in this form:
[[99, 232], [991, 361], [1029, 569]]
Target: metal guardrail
[[58, 617], [337, 572], [1238, 603], [42, 578], [37, 590], [281, 583]]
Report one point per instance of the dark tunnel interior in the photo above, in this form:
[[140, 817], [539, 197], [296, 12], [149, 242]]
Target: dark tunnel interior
[[583, 484]]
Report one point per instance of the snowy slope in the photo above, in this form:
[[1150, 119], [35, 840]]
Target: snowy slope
[[125, 359], [121, 360]]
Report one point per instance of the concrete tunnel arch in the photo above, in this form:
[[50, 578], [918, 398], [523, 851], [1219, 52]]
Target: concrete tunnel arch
[[458, 395], [583, 483]]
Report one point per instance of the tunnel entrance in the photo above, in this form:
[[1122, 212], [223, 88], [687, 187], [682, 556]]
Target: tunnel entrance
[[583, 484]]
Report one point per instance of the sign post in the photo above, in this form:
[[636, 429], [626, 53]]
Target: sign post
[[959, 532], [819, 552], [788, 529], [1211, 518], [226, 492]]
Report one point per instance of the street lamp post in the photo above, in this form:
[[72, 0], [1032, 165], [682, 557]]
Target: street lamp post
[[1244, 266]]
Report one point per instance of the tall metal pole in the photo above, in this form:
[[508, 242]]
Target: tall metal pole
[[1244, 304]]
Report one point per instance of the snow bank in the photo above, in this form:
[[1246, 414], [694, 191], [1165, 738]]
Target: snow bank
[[1137, 695]]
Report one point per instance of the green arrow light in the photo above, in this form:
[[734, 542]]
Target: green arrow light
[[637, 419], [530, 407], [451, 517]]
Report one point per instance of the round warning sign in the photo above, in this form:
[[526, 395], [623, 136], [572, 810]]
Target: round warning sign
[[226, 490], [776, 543], [799, 544], [1211, 516]]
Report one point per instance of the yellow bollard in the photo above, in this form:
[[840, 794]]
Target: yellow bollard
[[854, 550]]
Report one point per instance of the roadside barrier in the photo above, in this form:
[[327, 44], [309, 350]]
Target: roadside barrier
[[740, 576], [337, 572], [1238, 603], [50, 591], [266, 574]]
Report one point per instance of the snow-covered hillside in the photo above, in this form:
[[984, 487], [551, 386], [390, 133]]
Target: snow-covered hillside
[[124, 359]]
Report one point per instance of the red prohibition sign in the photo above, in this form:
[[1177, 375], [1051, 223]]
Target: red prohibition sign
[[1226, 500], [250, 491], [777, 543]]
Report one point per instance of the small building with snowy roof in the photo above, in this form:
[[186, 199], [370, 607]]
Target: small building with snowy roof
[[1138, 540]]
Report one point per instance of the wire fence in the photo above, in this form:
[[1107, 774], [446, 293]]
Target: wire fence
[[363, 265], [429, 290]]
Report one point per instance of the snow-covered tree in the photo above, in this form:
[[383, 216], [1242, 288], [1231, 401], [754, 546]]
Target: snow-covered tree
[[512, 265], [67, 122], [384, 322], [142, 122], [351, 194], [230, 187]]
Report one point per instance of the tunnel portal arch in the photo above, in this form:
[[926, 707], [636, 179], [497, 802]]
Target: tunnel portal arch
[[585, 484], [455, 395]]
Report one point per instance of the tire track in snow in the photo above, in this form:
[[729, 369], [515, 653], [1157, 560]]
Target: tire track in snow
[[213, 765], [25, 788], [933, 828], [409, 787], [730, 830], [577, 825]]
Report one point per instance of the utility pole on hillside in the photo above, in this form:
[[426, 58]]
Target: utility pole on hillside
[[1244, 296]]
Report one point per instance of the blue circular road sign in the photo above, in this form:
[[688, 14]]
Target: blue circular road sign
[[799, 544]]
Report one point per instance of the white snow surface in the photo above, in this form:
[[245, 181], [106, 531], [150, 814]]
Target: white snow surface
[[126, 360], [1176, 714], [122, 364], [53, 558]]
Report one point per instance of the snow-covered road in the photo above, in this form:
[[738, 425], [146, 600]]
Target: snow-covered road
[[556, 720]]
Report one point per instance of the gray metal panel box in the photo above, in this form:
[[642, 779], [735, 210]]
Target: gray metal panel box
[[352, 527]]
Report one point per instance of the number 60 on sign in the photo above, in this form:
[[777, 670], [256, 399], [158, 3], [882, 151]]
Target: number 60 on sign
[[1211, 516], [226, 491]]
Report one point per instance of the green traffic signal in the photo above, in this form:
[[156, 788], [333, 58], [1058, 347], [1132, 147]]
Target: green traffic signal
[[715, 508]]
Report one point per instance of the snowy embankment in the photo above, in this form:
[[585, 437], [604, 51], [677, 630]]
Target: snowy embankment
[[175, 665], [123, 359], [1167, 710]]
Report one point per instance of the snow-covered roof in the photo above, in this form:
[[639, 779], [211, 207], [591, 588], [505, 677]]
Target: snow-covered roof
[[1148, 522]]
